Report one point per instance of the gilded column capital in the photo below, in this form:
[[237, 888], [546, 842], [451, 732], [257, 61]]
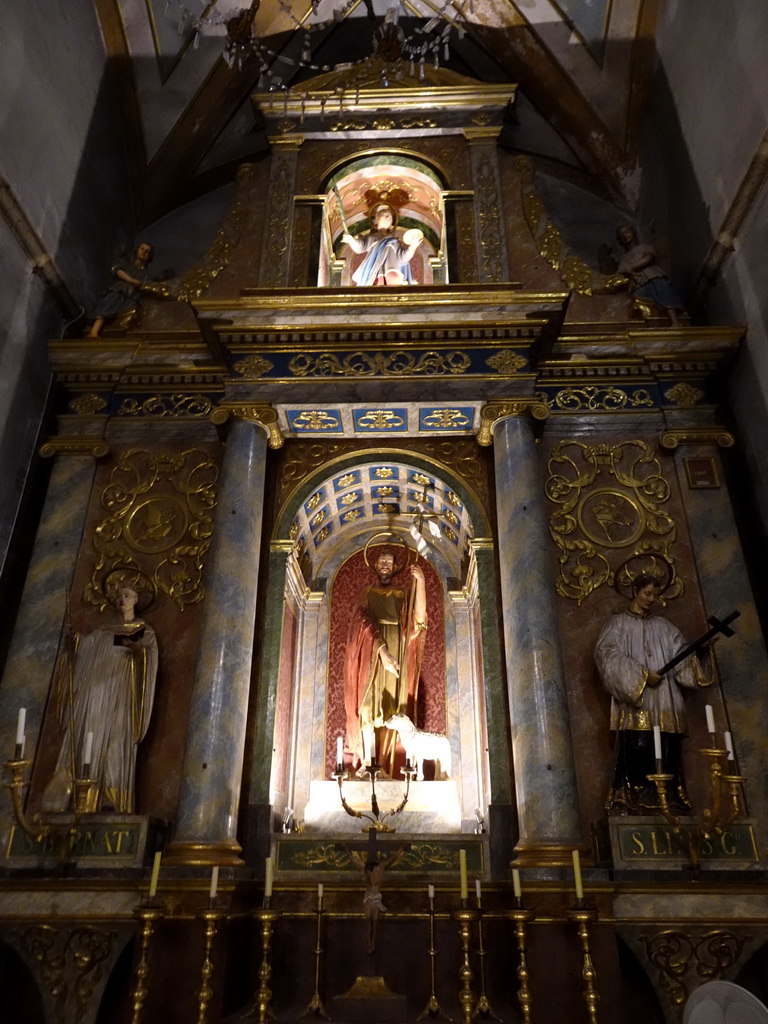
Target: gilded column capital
[[260, 413], [493, 412], [97, 447], [672, 439]]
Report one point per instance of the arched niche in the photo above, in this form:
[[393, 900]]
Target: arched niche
[[322, 529], [412, 185]]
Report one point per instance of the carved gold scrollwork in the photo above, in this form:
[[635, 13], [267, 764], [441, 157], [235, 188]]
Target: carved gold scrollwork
[[87, 405], [684, 394], [261, 413], [278, 231], [160, 506], [675, 954], [494, 411], [609, 497], [577, 274], [254, 366], [506, 362], [372, 364], [598, 398], [70, 964], [490, 221], [191, 406], [199, 277]]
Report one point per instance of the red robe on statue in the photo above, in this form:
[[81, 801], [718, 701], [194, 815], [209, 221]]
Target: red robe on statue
[[371, 695]]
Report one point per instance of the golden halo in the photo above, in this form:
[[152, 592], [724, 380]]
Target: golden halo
[[648, 563], [396, 540], [127, 575]]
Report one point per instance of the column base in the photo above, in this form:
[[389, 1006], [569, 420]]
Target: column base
[[225, 853], [549, 855]]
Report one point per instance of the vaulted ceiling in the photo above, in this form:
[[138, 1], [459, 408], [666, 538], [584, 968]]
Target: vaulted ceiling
[[581, 66]]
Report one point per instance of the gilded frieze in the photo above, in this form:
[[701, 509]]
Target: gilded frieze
[[171, 406], [158, 525], [379, 364], [597, 398], [610, 502]]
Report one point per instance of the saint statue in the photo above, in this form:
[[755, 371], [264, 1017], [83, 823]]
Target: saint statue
[[382, 660], [631, 649], [388, 255], [129, 278], [106, 691], [647, 281]]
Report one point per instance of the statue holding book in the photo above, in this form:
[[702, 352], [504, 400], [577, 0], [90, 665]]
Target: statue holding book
[[105, 691]]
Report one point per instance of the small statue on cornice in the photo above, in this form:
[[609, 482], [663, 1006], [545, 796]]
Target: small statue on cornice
[[129, 277], [647, 282]]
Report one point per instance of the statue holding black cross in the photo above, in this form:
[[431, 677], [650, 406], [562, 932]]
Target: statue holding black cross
[[645, 665]]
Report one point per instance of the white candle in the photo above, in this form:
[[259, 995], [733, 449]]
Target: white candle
[[478, 891], [516, 884], [431, 891], [155, 873], [729, 746], [463, 874], [214, 882], [319, 894], [270, 875], [21, 724], [88, 748], [710, 719], [577, 875], [339, 750], [657, 742]]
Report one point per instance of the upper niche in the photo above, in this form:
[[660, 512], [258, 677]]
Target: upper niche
[[410, 186]]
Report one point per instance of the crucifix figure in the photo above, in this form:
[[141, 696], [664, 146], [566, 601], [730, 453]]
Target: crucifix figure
[[366, 857]]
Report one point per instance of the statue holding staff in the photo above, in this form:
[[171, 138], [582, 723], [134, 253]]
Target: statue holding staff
[[106, 688], [383, 654]]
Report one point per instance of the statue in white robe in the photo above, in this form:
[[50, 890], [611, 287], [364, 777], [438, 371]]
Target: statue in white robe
[[631, 649], [106, 691]]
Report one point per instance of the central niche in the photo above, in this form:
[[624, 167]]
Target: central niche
[[410, 187]]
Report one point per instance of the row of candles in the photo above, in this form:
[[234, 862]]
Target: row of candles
[[21, 741], [214, 886]]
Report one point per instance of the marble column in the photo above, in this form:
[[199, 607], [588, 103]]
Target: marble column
[[206, 822], [545, 778], [40, 617]]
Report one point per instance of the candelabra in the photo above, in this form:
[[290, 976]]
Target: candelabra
[[716, 817], [376, 817], [465, 917], [522, 919], [432, 1009], [212, 919], [483, 1007], [148, 915], [315, 1006], [581, 915]]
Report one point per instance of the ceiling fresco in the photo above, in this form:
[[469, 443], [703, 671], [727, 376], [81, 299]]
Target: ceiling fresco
[[581, 67]]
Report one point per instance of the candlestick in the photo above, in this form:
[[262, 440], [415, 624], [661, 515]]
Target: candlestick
[[467, 1000], [268, 880], [155, 874], [577, 875], [710, 718], [148, 917], [214, 882], [88, 749], [729, 747], [516, 887], [463, 874], [522, 919], [260, 1009], [582, 918], [657, 742], [20, 725], [212, 919]]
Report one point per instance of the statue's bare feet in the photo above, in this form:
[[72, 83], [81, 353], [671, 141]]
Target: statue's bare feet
[[362, 771]]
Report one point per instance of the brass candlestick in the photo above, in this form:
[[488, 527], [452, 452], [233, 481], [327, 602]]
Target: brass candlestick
[[260, 1009], [522, 919], [148, 916], [376, 818], [315, 1006], [34, 828], [483, 1007], [212, 918], [465, 917], [432, 1009], [581, 916]]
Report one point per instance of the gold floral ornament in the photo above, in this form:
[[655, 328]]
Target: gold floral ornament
[[506, 362], [684, 394], [379, 364], [254, 366], [158, 524], [609, 498], [87, 405]]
